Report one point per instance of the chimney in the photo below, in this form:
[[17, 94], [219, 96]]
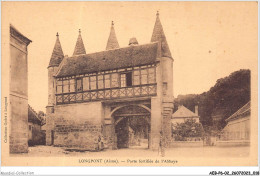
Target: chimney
[[197, 110], [133, 41]]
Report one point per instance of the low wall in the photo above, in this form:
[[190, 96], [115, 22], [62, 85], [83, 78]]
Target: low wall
[[233, 143], [82, 136], [186, 144]]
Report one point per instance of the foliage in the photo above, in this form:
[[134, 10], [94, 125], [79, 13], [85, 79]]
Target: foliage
[[190, 128], [223, 99], [42, 117]]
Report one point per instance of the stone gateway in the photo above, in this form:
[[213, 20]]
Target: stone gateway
[[117, 98]]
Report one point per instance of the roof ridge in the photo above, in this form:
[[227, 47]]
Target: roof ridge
[[237, 112], [130, 56], [114, 49], [184, 109], [35, 113]]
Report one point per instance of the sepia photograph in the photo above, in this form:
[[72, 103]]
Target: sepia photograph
[[129, 83]]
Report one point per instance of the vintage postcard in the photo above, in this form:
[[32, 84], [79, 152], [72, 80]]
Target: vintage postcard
[[129, 84]]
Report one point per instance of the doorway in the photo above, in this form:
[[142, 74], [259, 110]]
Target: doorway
[[132, 127], [132, 132]]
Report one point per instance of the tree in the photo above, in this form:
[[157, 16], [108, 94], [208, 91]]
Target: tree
[[42, 117], [227, 96], [189, 129]]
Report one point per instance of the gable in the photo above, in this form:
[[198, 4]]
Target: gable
[[183, 112]]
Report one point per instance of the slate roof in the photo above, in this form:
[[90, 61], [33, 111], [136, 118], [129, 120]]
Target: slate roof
[[112, 42], [108, 60], [241, 112], [183, 112], [159, 36], [79, 48], [57, 54]]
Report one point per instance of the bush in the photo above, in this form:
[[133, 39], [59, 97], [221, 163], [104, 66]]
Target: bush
[[188, 129]]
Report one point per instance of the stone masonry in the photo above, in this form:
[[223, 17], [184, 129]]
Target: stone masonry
[[18, 92]]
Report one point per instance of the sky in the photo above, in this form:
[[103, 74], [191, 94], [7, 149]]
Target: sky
[[208, 40]]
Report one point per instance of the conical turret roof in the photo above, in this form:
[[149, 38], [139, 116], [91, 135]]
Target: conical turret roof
[[79, 48], [159, 36], [112, 42], [57, 54]]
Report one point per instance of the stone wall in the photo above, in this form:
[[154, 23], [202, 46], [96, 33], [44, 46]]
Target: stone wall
[[18, 92], [73, 135], [233, 143], [76, 126], [19, 125], [186, 144]]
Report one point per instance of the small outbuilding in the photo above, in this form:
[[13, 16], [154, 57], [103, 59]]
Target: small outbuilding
[[183, 113], [237, 130]]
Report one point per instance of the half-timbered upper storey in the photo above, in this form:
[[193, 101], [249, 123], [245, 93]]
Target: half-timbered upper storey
[[117, 73], [110, 74]]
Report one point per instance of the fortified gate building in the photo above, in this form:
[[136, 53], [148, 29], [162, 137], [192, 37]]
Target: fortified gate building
[[109, 94]]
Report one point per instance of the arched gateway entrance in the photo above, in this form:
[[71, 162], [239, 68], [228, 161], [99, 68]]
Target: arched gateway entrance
[[132, 126]]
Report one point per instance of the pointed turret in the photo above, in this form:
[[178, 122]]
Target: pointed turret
[[112, 42], [57, 54], [79, 48], [159, 36]]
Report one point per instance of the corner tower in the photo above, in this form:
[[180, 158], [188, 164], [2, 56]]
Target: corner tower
[[165, 89], [79, 48], [112, 42], [56, 58]]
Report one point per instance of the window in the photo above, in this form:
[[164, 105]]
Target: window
[[136, 77], [126, 79], [52, 110], [86, 83], [107, 81], [129, 79], [79, 84], [151, 75], [123, 80], [72, 85], [93, 82], [30, 127], [59, 87], [144, 76], [100, 82], [114, 80], [164, 88], [66, 84]]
